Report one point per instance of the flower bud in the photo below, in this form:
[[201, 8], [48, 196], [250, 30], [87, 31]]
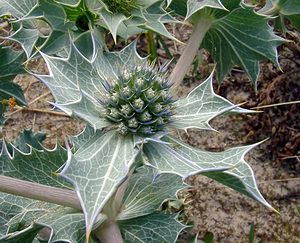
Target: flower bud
[[138, 103], [133, 123], [150, 94], [146, 116], [126, 109]]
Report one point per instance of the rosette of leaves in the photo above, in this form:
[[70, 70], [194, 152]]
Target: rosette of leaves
[[232, 32], [130, 109], [47, 24], [282, 10]]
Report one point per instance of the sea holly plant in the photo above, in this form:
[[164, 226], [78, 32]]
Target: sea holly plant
[[110, 182], [126, 146]]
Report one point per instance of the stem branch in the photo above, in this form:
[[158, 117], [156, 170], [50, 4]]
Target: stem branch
[[40, 192], [186, 59]]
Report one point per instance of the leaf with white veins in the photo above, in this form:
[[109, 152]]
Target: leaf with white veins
[[146, 192], [22, 218], [282, 9], [152, 228], [97, 169], [11, 63], [112, 21], [35, 166], [241, 38], [201, 106], [227, 167], [27, 38], [194, 6], [28, 139], [17, 8], [82, 138], [76, 86], [148, 15]]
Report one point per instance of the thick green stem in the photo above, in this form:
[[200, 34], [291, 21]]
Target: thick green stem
[[186, 59], [109, 232], [151, 46]]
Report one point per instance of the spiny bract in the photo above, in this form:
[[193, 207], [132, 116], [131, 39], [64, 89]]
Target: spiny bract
[[139, 101]]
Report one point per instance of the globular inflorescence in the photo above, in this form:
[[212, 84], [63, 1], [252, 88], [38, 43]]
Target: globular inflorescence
[[139, 101]]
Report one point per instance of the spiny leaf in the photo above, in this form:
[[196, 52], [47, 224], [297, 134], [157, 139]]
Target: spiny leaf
[[227, 167], [27, 38], [48, 28], [77, 89], [55, 16], [146, 192], [194, 6], [36, 166], [156, 18], [241, 38], [200, 106], [35, 11], [91, 112], [112, 21], [82, 138], [152, 228], [25, 236], [17, 8], [283, 9], [97, 169], [28, 139], [67, 78], [21, 219], [70, 2], [148, 15]]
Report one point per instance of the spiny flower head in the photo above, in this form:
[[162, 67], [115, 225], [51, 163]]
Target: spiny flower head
[[139, 101]]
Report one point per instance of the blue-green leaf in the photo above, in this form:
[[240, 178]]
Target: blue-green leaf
[[241, 38], [227, 167], [27, 38], [201, 106], [283, 9], [194, 6], [21, 219], [146, 192], [97, 169], [152, 228], [28, 139], [36, 166]]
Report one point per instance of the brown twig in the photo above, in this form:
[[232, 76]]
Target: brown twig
[[278, 104], [56, 113], [19, 108]]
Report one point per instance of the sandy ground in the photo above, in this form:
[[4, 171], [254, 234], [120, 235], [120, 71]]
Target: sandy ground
[[213, 207]]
